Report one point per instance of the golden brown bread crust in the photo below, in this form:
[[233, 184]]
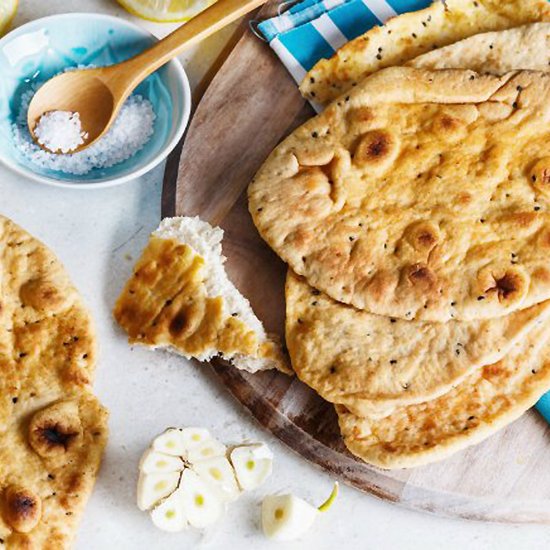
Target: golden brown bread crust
[[53, 430], [497, 52], [373, 364], [412, 34], [486, 401], [165, 304], [345, 354], [60, 485], [442, 183]]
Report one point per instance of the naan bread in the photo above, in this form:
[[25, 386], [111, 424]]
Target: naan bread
[[526, 47], [180, 298], [483, 403], [420, 195], [373, 364], [344, 353], [412, 34], [53, 429]]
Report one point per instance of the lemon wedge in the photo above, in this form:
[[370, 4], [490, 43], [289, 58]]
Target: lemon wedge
[[8, 8], [165, 11]]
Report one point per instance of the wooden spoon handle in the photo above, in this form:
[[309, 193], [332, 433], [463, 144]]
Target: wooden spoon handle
[[209, 21]]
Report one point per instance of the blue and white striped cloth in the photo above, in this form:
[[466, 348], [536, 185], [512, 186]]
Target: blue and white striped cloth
[[314, 29]]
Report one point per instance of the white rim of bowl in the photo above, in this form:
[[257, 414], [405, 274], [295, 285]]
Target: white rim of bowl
[[168, 148]]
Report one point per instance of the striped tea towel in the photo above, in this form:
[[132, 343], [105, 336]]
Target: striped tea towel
[[314, 29]]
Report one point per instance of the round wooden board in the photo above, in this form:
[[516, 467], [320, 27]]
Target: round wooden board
[[249, 106]]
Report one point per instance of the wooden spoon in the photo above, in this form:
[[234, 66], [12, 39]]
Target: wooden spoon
[[98, 94]]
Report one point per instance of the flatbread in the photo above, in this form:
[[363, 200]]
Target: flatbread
[[52, 427], [409, 35], [485, 402], [344, 353], [526, 47], [421, 195], [373, 364], [179, 298]]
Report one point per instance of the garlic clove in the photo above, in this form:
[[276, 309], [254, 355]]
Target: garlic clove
[[209, 448], [170, 442], [287, 517], [194, 437], [219, 473], [154, 487], [253, 464], [202, 505], [155, 462], [169, 515]]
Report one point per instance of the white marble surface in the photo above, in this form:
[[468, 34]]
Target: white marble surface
[[98, 235]]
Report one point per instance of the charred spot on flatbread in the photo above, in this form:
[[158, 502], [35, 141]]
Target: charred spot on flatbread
[[56, 430], [22, 508]]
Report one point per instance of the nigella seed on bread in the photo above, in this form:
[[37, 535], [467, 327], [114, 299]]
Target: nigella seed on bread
[[416, 33], [54, 429]]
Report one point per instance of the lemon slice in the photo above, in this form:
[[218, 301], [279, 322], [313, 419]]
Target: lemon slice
[[8, 8], [165, 11]]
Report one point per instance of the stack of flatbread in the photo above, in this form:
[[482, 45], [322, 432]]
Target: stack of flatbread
[[52, 428], [414, 215]]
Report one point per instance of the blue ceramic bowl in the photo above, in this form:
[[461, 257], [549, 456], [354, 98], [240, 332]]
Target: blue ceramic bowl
[[40, 49]]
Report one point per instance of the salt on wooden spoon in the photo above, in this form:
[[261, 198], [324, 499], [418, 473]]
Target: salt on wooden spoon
[[98, 94]]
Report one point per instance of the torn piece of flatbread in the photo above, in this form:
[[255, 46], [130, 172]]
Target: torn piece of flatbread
[[181, 299], [486, 401], [52, 428], [420, 195], [407, 36], [374, 364]]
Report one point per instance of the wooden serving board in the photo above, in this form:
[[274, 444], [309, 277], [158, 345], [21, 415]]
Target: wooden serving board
[[250, 105]]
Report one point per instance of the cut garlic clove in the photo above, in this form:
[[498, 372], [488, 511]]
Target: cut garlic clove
[[218, 473], [154, 462], [253, 464], [154, 487], [286, 517], [170, 442], [169, 515], [194, 437], [201, 503], [209, 448]]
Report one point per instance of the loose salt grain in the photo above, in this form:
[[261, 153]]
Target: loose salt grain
[[60, 131], [131, 130]]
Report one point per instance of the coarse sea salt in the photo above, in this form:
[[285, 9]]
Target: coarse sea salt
[[131, 130], [60, 131]]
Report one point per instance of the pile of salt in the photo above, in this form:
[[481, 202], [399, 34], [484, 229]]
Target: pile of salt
[[132, 129], [60, 131]]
